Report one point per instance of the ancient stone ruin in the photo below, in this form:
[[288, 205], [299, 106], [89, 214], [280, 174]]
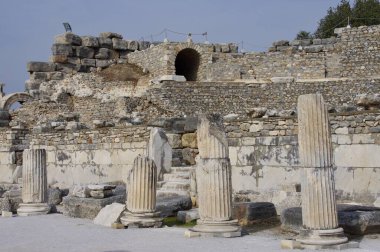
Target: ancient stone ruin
[[107, 129]]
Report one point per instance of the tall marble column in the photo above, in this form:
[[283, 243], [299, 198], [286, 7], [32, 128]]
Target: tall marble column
[[213, 174], [319, 214], [141, 199], [34, 183]]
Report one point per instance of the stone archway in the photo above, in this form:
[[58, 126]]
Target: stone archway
[[187, 64], [7, 101]]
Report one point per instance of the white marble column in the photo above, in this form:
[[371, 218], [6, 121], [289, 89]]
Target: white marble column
[[213, 175], [319, 214], [34, 183], [141, 199]]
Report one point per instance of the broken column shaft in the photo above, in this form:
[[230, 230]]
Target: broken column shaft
[[141, 201], [213, 175], [319, 214], [34, 183]]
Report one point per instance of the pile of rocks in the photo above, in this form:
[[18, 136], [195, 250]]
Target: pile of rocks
[[72, 53]]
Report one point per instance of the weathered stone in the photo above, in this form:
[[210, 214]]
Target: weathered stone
[[34, 66], [104, 63], [68, 38], [282, 79], [188, 216], [141, 201], [84, 52], [319, 213], [189, 156], [105, 42], [189, 140], [100, 194], [119, 44], [175, 140], [368, 100], [54, 196], [88, 62], [169, 205], [90, 41], [80, 191], [314, 48], [101, 187], [133, 45], [160, 151], [249, 213], [103, 53], [110, 35], [355, 219], [62, 49], [109, 214], [88, 208], [34, 181], [281, 43], [257, 112], [58, 58]]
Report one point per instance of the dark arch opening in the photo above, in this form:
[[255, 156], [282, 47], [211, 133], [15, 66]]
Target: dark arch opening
[[187, 64]]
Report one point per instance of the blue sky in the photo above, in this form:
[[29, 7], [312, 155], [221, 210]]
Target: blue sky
[[28, 27]]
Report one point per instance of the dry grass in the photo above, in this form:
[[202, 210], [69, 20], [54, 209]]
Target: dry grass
[[122, 72]]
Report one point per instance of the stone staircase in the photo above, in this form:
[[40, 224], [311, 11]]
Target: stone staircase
[[176, 182]]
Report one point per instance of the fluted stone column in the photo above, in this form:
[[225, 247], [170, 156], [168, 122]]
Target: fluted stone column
[[34, 183], [319, 214], [213, 174], [141, 200]]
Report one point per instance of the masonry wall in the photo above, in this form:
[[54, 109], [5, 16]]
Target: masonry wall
[[265, 160], [90, 156], [225, 98]]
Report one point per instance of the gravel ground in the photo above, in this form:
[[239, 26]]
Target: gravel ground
[[57, 233]]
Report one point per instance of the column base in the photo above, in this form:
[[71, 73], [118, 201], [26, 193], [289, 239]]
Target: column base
[[323, 238], [141, 220], [30, 209], [227, 229]]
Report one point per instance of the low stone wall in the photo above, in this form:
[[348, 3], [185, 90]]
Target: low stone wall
[[90, 156], [240, 98]]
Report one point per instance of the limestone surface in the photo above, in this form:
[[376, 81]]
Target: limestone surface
[[109, 214]]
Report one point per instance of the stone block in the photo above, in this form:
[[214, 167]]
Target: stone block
[[88, 62], [84, 52], [90, 41], [188, 216], [144, 45], [175, 140], [248, 213], [68, 38], [170, 205], [281, 43], [189, 140], [105, 42], [80, 191], [88, 207], [100, 194], [110, 35], [62, 49], [189, 156], [354, 219], [103, 53], [314, 48], [133, 45], [109, 214], [104, 63], [58, 58], [35, 66], [225, 48], [119, 44], [282, 79]]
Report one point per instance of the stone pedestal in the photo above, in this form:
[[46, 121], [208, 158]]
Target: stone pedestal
[[213, 174], [34, 182], [141, 199], [319, 214]]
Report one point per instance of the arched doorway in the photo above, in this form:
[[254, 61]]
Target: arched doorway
[[187, 64]]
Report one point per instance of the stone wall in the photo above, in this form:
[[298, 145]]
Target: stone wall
[[240, 98], [90, 156]]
